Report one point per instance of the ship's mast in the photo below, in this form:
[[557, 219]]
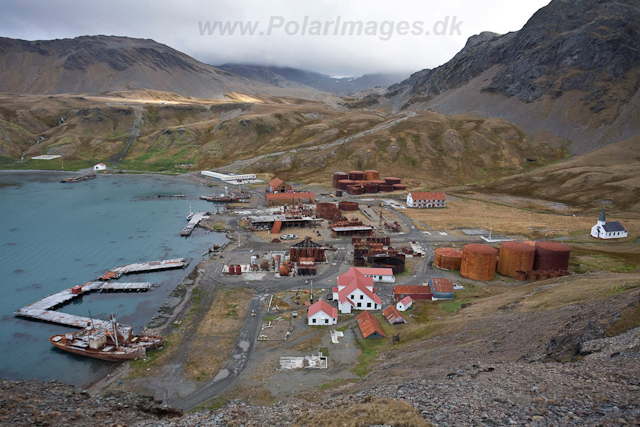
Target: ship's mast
[[114, 327]]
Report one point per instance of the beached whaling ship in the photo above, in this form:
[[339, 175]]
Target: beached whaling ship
[[115, 343], [79, 178], [220, 198]]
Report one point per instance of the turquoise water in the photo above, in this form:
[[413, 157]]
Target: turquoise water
[[54, 236]]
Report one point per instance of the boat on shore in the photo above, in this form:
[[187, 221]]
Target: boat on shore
[[226, 199], [79, 178], [115, 343]]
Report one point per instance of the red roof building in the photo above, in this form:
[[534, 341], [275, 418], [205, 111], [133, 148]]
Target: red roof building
[[356, 291], [393, 316], [369, 325], [276, 185], [413, 291], [426, 199], [322, 313]]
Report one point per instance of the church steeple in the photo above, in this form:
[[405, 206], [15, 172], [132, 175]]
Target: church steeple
[[602, 219]]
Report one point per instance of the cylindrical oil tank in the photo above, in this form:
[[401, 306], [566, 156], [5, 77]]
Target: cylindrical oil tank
[[356, 175], [238, 270], [370, 188], [339, 176], [378, 181], [385, 261], [399, 187], [521, 276], [478, 261], [344, 183], [355, 189], [385, 188], [348, 206], [552, 256], [392, 180], [358, 262], [370, 175], [543, 274], [232, 269], [284, 270], [532, 276], [515, 256], [448, 258], [553, 274]]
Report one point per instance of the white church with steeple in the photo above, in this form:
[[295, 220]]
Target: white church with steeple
[[607, 230]]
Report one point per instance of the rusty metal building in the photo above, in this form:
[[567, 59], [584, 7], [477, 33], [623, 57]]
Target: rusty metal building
[[307, 249]]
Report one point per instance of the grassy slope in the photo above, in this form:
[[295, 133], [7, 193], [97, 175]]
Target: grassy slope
[[428, 148]]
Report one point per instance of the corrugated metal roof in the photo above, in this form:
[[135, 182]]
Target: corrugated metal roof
[[615, 226], [406, 301], [440, 284], [276, 182], [393, 315], [374, 271], [412, 289], [368, 324]]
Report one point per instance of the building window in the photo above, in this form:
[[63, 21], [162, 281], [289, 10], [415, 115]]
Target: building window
[[361, 296], [369, 305], [313, 321], [353, 297], [379, 277], [359, 304], [326, 320]]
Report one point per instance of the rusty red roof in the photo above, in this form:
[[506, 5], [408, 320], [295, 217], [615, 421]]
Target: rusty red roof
[[412, 289], [406, 301], [275, 182], [418, 195], [354, 279], [440, 284], [393, 315], [368, 324]]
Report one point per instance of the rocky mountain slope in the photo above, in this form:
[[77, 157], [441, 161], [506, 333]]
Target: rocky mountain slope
[[97, 64], [573, 70], [292, 77]]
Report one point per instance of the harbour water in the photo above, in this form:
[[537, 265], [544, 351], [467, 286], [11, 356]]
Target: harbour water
[[55, 236]]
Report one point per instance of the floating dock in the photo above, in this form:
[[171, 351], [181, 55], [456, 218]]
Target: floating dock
[[193, 223], [180, 196], [79, 178]]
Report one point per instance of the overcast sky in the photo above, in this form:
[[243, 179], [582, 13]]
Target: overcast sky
[[384, 45]]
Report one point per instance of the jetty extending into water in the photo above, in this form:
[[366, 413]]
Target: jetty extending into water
[[44, 309], [79, 178], [193, 223]]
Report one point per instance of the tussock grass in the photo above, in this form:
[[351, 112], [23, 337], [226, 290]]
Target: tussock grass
[[369, 411]]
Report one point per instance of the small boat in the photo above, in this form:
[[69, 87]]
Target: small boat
[[190, 212], [115, 343]]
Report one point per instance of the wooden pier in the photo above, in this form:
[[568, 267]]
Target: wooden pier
[[150, 266], [197, 217], [43, 309]]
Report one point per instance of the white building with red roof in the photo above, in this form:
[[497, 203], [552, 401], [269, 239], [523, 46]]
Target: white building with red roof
[[379, 275], [100, 167], [426, 199], [355, 291], [404, 303], [322, 313]]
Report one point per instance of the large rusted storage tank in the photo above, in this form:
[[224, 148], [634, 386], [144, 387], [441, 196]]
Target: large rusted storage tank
[[448, 258], [515, 256], [339, 176], [344, 183], [356, 175], [385, 261], [355, 189], [399, 187], [348, 206], [552, 256], [370, 175], [370, 188], [478, 261], [385, 187], [392, 180], [284, 269]]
